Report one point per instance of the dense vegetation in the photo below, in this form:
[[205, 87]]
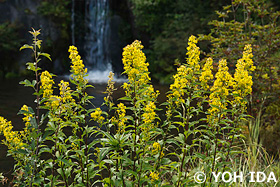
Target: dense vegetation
[[129, 145], [255, 23], [165, 25], [222, 97]]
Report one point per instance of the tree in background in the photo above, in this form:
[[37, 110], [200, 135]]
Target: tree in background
[[9, 43], [253, 22], [59, 12], [165, 25]]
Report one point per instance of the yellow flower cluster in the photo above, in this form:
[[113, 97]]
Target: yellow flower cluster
[[13, 138], [220, 89], [136, 68], [156, 149], [26, 117], [247, 58], [206, 73], [186, 74], [77, 67], [149, 114], [193, 54], [54, 102], [47, 82], [154, 176], [180, 83], [96, 115], [74, 146], [243, 81], [110, 87], [148, 118], [65, 92], [135, 65], [150, 93], [121, 111]]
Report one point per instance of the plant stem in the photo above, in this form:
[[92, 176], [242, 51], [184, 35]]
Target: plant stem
[[215, 151], [37, 108]]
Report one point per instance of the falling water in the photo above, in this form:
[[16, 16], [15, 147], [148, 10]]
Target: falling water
[[97, 36], [96, 40]]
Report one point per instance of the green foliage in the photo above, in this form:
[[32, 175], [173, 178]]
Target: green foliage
[[256, 23], [167, 25], [59, 12], [9, 44], [129, 145]]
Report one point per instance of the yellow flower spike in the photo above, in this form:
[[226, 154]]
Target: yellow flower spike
[[55, 102], [12, 138], [156, 148], [154, 176], [135, 65], [109, 90], [96, 115], [220, 90], [121, 112], [242, 80], [206, 74], [65, 92], [180, 83], [186, 74], [26, 118], [138, 87], [193, 54], [47, 82], [149, 114], [77, 68]]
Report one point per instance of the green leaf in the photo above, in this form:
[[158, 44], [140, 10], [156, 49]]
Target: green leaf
[[125, 99], [26, 46], [26, 83], [47, 133], [45, 150], [22, 151], [45, 55], [104, 152]]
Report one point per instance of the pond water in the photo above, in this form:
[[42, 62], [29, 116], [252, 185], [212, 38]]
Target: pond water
[[13, 96]]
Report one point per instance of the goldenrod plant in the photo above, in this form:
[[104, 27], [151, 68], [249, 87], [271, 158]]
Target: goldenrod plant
[[243, 22], [67, 141]]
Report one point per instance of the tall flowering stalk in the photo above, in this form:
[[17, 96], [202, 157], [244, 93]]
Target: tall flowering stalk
[[228, 104], [143, 98], [183, 105], [242, 76]]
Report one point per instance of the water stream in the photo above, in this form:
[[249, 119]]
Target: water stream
[[96, 40]]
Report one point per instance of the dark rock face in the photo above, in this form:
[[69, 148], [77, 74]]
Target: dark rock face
[[25, 14]]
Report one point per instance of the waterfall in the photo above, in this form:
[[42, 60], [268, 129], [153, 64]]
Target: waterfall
[[97, 35], [91, 18]]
